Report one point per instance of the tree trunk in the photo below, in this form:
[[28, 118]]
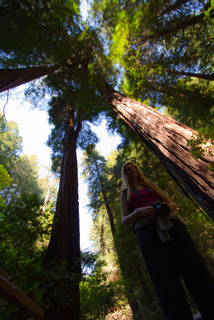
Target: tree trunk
[[64, 244], [181, 73], [11, 78], [180, 92], [174, 6], [167, 139], [191, 74], [183, 25]]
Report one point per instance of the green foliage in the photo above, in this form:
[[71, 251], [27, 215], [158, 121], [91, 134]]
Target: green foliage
[[202, 142], [24, 224], [120, 36], [58, 283], [94, 165], [22, 169], [195, 107], [98, 295], [209, 14], [24, 232], [37, 32], [25, 179], [5, 181], [10, 143]]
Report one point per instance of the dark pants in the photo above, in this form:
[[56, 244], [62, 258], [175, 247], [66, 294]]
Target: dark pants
[[167, 262]]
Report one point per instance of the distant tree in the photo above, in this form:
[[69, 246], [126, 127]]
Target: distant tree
[[5, 181], [70, 130], [10, 143], [23, 169]]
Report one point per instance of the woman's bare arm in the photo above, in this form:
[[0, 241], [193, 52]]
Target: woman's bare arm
[[129, 219]]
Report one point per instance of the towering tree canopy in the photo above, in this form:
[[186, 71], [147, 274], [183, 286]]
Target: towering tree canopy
[[158, 52], [38, 32]]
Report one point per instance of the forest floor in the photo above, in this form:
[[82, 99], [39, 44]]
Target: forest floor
[[123, 314]]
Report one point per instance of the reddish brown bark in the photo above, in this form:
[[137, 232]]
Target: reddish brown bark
[[64, 245], [167, 139], [11, 78]]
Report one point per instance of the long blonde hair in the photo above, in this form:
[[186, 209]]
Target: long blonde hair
[[141, 178]]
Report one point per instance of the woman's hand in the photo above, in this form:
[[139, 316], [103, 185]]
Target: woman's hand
[[145, 212]]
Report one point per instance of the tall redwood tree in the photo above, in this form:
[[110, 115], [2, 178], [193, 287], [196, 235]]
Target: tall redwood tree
[[167, 138], [64, 244]]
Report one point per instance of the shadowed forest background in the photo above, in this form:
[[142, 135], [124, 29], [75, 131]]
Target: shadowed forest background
[[124, 62]]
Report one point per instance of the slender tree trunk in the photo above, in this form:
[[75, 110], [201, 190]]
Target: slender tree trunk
[[191, 74], [48, 193], [11, 78], [110, 215], [167, 139], [123, 267], [174, 6], [183, 25], [64, 244], [181, 73], [180, 92]]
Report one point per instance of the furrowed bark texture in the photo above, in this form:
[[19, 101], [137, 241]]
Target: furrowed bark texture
[[64, 244], [167, 139]]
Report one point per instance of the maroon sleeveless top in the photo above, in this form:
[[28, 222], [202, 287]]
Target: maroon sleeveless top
[[137, 201]]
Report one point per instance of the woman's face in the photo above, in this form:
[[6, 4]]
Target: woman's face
[[131, 171]]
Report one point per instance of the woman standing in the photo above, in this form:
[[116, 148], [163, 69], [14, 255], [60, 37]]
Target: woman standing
[[166, 248]]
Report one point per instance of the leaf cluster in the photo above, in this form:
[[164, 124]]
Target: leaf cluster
[[37, 32], [98, 295]]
